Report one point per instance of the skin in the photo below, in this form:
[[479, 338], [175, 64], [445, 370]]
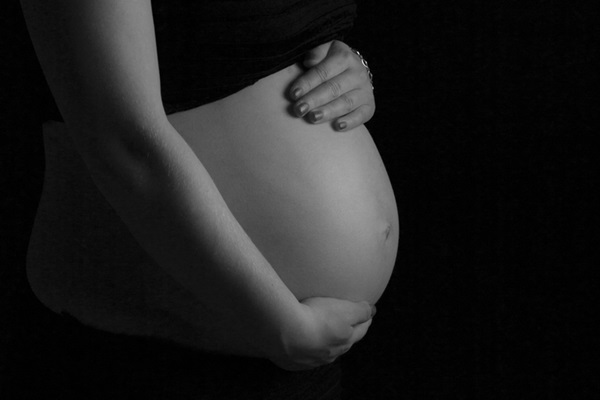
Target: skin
[[99, 58], [336, 89], [317, 204]]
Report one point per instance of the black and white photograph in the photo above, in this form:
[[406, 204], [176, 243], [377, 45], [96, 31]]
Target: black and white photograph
[[299, 200]]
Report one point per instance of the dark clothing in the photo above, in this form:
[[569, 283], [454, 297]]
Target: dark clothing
[[208, 50]]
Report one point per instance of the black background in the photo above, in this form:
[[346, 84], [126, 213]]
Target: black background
[[486, 123]]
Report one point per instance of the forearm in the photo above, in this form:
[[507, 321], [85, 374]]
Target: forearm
[[100, 61], [171, 205]]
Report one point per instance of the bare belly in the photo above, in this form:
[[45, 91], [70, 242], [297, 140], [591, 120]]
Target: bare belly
[[317, 203]]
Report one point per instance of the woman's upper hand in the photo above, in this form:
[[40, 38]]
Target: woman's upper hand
[[326, 329], [336, 88]]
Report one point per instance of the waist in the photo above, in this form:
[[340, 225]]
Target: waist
[[314, 200], [317, 203]]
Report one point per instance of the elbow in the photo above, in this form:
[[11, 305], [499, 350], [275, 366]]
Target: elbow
[[117, 158]]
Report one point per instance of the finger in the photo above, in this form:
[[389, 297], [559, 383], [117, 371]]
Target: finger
[[358, 313], [357, 117], [336, 61], [343, 105], [337, 352], [330, 90], [341, 350], [360, 331], [340, 312], [344, 350], [316, 55]]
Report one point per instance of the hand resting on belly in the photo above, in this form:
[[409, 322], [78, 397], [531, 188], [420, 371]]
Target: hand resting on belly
[[144, 199]]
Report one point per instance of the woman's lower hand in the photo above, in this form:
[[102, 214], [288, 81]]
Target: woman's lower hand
[[337, 88], [326, 329]]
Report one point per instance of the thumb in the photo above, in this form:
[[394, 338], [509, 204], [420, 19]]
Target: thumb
[[316, 55], [361, 313]]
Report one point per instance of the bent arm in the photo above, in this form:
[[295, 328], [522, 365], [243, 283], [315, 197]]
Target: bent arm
[[99, 58]]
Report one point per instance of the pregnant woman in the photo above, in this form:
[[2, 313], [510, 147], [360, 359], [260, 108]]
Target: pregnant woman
[[185, 199]]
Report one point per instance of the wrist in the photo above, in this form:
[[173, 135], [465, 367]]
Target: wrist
[[284, 332]]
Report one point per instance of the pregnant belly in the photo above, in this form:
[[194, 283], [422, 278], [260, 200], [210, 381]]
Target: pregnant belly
[[317, 203]]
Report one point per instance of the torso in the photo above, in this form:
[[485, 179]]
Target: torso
[[316, 202]]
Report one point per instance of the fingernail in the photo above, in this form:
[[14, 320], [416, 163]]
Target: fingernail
[[341, 125], [373, 310], [309, 62], [296, 93], [316, 115], [302, 108]]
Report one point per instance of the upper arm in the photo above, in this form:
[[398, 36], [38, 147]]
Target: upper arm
[[99, 58]]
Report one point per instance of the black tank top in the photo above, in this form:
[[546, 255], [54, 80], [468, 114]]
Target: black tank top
[[210, 49]]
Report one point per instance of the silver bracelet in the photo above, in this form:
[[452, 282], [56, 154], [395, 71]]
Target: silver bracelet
[[366, 65]]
